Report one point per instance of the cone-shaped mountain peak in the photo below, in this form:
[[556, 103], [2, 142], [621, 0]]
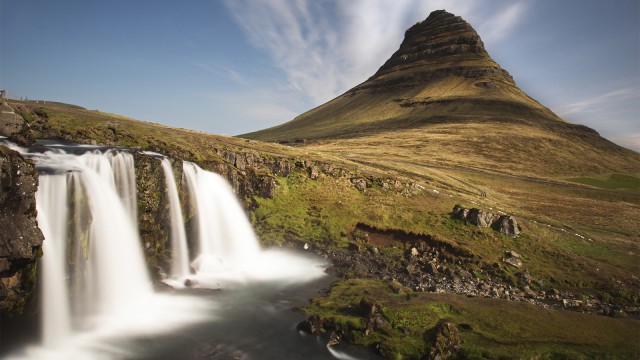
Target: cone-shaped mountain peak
[[441, 35], [440, 46], [442, 94]]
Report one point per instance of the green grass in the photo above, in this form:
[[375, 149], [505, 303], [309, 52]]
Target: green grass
[[611, 181], [489, 328]]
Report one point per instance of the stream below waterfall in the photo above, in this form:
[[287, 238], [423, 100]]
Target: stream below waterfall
[[255, 320], [231, 299]]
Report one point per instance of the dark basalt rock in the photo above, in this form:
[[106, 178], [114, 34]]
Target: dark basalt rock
[[20, 247]]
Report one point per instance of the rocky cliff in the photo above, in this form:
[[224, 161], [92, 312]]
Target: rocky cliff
[[20, 246]]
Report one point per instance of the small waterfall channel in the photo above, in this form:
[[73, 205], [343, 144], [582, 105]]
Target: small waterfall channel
[[97, 296]]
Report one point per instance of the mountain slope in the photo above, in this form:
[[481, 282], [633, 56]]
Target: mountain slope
[[441, 94]]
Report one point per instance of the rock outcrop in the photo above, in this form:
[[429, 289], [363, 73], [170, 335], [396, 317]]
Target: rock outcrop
[[503, 223], [20, 237], [10, 122]]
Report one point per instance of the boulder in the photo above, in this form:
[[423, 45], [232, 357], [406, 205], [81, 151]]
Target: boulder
[[512, 258], [508, 226], [481, 218], [313, 172], [313, 325], [505, 224], [444, 341]]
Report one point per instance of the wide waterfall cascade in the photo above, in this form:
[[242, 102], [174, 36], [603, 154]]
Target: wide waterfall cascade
[[179, 249], [97, 295], [95, 284]]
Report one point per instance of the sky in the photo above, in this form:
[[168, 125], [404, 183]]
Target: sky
[[234, 66]]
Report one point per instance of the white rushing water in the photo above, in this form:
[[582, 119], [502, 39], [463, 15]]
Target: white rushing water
[[179, 249], [52, 219], [228, 249], [108, 265], [225, 238]]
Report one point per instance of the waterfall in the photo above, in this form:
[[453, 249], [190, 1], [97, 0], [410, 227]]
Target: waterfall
[[228, 249], [179, 252], [125, 179], [95, 288], [102, 250], [226, 241], [52, 219]]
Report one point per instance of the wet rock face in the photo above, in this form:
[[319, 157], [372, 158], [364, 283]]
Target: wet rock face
[[20, 237], [153, 210]]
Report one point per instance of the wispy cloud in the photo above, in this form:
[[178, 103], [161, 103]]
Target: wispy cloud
[[325, 48], [599, 102], [499, 26], [630, 141], [218, 70]]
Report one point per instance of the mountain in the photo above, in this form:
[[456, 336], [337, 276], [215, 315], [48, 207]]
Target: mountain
[[442, 95]]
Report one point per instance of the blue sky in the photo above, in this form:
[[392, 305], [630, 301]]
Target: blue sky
[[234, 66]]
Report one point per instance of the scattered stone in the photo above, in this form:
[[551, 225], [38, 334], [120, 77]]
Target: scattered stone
[[526, 277], [313, 172], [512, 258], [431, 268], [360, 183], [353, 246], [313, 325], [334, 339]]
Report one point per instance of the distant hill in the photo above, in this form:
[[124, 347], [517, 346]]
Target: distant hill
[[441, 99]]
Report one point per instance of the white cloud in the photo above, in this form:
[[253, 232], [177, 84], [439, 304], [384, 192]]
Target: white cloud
[[599, 102], [498, 26], [325, 48], [630, 141]]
